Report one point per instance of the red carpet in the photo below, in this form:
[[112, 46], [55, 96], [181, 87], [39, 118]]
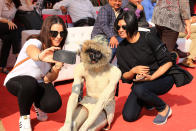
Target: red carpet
[[182, 101]]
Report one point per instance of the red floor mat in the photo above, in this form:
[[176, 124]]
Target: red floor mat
[[182, 101]]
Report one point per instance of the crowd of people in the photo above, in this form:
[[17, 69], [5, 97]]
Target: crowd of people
[[145, 59]]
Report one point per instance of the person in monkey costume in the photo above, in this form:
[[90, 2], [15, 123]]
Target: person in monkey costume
[[96, 110]]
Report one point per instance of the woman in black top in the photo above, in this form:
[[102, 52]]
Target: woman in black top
[[143, 60]]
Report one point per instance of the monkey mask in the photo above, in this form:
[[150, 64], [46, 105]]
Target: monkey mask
[[96, 53]]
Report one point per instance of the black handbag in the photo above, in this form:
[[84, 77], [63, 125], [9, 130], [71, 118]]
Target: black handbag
[[181, 77], [30, 19]]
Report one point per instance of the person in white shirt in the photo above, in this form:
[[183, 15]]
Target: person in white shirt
[[77, 9], [31, 78]]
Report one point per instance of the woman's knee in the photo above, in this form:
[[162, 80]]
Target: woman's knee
[[50, 101], [51, 107], [139, 91], [128, 116]]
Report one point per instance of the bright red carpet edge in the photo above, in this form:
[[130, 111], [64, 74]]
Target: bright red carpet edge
[[182, 101]]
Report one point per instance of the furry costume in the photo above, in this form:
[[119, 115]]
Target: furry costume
[[96, 110]]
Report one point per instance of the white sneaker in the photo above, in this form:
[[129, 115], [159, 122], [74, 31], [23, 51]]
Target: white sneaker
[[41, 116], [25, 123]]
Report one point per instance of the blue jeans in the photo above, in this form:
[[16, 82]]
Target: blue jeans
[[146, 93], [114, 49]]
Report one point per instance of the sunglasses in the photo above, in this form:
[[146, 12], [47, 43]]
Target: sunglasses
[[55, 33], [123, 26]]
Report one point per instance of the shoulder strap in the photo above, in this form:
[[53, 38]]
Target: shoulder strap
[[149, 42], [19, 63]]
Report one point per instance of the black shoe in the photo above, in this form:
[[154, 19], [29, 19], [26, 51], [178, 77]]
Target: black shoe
[[182, 54]]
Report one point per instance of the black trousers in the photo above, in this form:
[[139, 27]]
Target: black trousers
[[29, 91], [10, 38], [146, 94], [168, 36]]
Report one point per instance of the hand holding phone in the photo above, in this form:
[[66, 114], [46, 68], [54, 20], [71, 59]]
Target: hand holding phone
[[65, 56]]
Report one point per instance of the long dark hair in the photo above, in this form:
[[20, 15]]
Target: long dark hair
[[130, 19], [44, 35]]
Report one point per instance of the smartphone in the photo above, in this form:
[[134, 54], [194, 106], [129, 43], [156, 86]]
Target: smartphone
[[65, 56]]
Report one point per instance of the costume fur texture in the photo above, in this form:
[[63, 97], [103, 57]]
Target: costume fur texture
[[99, 46]]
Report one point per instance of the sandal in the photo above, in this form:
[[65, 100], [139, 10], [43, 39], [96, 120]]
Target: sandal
[[188, 63]]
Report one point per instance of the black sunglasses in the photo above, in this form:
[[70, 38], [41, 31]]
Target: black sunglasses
[[55, 33], [123, 26]]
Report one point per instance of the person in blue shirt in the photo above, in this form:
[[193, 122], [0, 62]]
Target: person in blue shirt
[[148, 9]]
